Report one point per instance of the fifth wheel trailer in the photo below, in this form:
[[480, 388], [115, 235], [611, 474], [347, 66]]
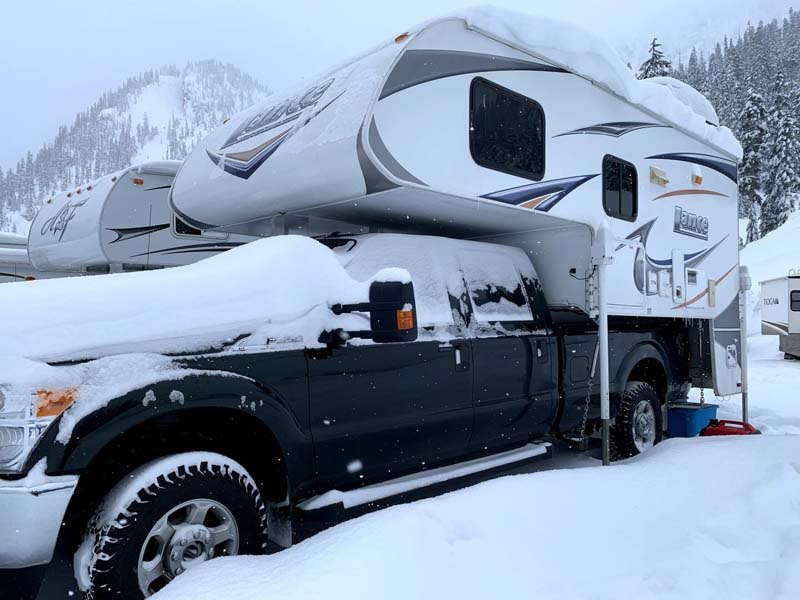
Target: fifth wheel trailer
[[469, 129], [780, 312], [120, 222]]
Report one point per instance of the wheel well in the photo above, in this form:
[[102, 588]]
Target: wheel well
[[222, 430], [650, 370]]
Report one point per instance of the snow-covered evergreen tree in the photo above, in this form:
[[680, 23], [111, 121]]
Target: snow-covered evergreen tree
[[656, 64], [753, 127], [782, 173]]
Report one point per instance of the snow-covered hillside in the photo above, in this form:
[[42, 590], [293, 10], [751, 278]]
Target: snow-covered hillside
[[156, 115]]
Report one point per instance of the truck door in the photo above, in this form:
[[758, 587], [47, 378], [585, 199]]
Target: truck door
[[379, 410], [514, 355]]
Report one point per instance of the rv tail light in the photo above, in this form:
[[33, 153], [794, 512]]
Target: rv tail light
[[30, 278], [51, 403], [405, 319], [401, 38], [138, 181]]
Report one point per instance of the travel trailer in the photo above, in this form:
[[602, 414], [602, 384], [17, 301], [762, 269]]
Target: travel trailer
[[121, 222], [464, 129], [780, 311]]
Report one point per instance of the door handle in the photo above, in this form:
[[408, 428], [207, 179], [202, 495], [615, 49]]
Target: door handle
[[541, 351], [461, 353]]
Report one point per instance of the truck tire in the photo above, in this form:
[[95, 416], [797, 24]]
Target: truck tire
[[165, 518], [637, 425]]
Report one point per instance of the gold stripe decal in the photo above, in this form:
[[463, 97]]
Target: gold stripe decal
[[690, 193]]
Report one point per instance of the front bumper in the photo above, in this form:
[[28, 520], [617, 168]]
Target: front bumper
[[31, 513]]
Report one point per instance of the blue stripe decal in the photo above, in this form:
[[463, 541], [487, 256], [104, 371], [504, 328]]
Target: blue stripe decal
[[715, 163], [556, 189]]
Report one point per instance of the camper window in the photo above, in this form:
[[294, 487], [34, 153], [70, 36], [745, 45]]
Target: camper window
[[619, 189], [182, 228], [506, 131], [794, 301]]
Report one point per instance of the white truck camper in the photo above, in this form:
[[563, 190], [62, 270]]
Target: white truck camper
[[508, 131], [121, 222], [780, 311]]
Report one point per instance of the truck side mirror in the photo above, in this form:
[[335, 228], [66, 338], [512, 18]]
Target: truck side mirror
[[392, 314]]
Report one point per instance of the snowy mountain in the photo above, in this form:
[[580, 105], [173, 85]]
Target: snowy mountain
[[156, 115]]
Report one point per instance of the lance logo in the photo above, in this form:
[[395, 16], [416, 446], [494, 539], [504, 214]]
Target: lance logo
[[57, 224], [690, 224]]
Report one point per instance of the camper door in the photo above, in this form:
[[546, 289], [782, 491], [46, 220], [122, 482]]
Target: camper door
[[794, 305]]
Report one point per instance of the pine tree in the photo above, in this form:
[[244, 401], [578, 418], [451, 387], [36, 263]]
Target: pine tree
[[656, 65], [782, 170], [753, 127]]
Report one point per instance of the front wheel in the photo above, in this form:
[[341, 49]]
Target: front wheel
[[637, 426], [166, 518]]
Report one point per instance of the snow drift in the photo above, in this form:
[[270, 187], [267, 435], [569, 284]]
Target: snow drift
[[708, 518]]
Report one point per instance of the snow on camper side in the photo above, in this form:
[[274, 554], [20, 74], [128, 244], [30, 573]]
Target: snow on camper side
[[502, 128], [780, 311], [120, 222]]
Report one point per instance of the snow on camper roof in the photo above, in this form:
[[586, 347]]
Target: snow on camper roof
[[589, 56]]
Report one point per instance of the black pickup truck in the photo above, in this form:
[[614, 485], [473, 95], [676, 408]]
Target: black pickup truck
[[475, 364]]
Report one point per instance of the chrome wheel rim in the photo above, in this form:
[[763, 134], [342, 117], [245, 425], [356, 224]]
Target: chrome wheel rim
[[644, 426], [187, 535]]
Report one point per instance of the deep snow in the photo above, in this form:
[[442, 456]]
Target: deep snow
[[706, 518]]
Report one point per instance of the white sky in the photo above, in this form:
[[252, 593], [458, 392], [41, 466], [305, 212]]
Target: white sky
[[57, 57]]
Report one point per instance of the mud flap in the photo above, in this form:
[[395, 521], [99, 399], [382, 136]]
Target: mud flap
[[726, 351]]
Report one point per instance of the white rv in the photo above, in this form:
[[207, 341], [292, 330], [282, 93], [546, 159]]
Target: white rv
[[120, 222], [480, 128], [780, 311]]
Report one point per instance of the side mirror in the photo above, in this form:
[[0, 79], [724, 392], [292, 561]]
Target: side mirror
[[392, 313]]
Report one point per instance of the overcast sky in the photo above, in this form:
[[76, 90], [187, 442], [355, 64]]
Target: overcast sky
[[57, 57]]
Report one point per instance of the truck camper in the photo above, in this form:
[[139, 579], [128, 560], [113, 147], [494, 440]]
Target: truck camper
[[475, 127], [121, 222]]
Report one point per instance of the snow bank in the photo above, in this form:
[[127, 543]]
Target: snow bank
[[773, 255], [703, 519], [582, 52]]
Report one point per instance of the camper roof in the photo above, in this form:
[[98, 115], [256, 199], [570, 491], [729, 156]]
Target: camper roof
[[580, 51]]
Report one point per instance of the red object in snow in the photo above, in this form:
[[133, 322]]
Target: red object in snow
[[724, 427]]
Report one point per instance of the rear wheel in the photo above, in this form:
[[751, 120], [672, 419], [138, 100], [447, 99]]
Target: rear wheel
[[637, 425], [166, 518]]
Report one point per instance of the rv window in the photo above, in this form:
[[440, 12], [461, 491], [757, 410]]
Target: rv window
[[182, 228], [795, 301], [506, 131], [619, 189]]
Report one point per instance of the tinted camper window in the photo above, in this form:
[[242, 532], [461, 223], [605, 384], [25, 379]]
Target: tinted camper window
[[795, 301], [506, 131], [182, 228], [619, 189]]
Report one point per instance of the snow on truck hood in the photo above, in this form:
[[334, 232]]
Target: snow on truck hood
[[269, 288]]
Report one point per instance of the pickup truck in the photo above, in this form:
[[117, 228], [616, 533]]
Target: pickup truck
[[216, 463]]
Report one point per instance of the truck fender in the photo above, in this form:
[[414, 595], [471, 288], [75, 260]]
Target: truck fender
[[643, 350], [99, 428]]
